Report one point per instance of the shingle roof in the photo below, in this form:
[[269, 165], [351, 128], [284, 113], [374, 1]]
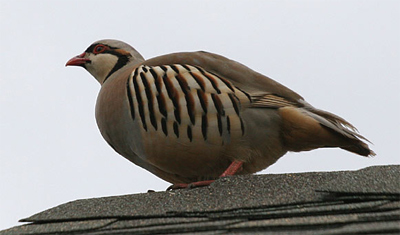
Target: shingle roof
[[366, 201]]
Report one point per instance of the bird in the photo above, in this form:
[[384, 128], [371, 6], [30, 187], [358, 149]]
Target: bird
[[193, 117]]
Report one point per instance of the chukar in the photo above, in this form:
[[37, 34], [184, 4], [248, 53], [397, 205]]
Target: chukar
[[192, 117]]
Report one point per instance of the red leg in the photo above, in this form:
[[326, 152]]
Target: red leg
[[233, 168]]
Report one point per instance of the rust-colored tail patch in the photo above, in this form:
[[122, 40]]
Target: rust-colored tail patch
[[302, 132]]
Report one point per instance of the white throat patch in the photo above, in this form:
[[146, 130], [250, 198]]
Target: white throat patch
[[101, 65]]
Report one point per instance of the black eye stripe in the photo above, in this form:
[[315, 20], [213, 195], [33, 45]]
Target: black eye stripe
[[91, 47]]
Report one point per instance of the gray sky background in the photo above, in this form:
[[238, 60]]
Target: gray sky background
[[341, 56]]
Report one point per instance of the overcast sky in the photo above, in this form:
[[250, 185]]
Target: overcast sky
[[341, 56]]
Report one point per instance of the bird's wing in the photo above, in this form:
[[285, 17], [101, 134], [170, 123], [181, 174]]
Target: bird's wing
[[264, 92], [238, 74]]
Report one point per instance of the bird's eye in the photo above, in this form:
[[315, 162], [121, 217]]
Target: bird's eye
[[99, 49]]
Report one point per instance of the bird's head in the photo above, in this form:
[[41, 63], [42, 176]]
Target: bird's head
[[103, 58]]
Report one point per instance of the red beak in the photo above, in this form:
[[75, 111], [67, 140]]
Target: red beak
[[79, 60]]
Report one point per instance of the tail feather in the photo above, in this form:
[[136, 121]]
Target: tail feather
[[306, 128], [344, 128], [360, 148]]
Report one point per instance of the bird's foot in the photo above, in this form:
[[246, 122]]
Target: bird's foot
[[191, 185], [233, 168]]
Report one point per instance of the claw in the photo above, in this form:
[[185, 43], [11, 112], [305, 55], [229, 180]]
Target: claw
[[191, 185], [177, 186]]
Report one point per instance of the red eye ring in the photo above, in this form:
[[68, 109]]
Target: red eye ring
[[99, 49]]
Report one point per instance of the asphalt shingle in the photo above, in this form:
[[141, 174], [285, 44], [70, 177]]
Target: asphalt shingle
[[364, 201]]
